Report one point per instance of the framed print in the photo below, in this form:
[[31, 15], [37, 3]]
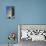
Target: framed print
[[32, 32]]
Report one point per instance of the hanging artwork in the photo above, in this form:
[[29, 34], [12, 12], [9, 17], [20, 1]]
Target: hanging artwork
[[11, 37], [10, 12], [32, 32]]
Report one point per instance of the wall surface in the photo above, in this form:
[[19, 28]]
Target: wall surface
[[26, 12]]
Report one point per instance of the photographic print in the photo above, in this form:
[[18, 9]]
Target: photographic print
[[31, 33]]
